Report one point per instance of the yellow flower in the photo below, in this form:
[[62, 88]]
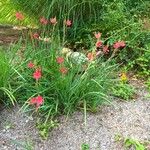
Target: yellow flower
[[124, 77]]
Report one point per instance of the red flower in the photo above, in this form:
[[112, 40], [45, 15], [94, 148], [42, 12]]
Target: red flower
[[37, 101], [60, 60], [91, 56], [37, 74], [105, 49], [97, 35], [30, 65], [63, 70], [119, 44], [68, 23], [32, 101], [36, 36], [53, 20], [99, 44], [19, 16], [43, 21]]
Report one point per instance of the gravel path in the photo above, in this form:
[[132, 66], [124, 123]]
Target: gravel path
[[131, 119]]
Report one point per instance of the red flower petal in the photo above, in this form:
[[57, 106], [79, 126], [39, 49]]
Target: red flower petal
[[53, 20], [32, 101], [30, 65], [43, 21], [99, 44], [39, 101], [68, 23], [37, 74], [63, 70], [90, 56], [36, 36], [119, 44], [19, 16], [105, 49], [60, 60], [97, 35]]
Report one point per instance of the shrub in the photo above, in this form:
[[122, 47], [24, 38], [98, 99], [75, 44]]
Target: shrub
[[124, 91], [64, 86], [141, 63], [43, 74]]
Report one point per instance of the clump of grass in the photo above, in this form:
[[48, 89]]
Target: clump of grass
[[4, 79]]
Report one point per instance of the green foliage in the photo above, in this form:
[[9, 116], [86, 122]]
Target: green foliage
[[8, 10], [4, 69], [45, 127], [142, 61], [82, 86], [135, 143], [4, 79], [148, 83], [124, 91], [85, 146], [130, 143]]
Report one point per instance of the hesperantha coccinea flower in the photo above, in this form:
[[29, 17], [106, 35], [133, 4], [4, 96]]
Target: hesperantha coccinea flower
[[63, 70], [37, 74], [19, 16], [53, 21], [119, 44], [68, 23], [60, 60], [98, 44], [31, 65], [35, 36], [97, 35], [105, 49], [37, 101], [43, 21], [91, 56]]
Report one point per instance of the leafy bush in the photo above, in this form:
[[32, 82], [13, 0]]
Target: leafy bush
[[142, 61], [65, 86], [131, 143], [43, 73], [124, 91]]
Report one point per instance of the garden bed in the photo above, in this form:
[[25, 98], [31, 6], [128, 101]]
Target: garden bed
[[125, 118]]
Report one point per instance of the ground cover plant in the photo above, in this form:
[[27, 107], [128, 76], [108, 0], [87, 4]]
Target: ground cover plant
[[123, 89], [129, 143]]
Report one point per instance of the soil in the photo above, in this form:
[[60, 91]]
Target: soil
[[125, 118], [8, 35]]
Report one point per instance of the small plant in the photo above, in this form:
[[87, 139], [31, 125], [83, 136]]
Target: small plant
[[45, 127], [129, 143], [124, 91], [148, 84], [85, 146]]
